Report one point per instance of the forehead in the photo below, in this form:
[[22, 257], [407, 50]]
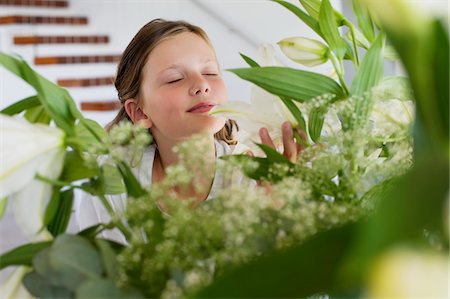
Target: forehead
[[182, 48]]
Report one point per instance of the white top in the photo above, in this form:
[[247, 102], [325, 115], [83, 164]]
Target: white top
[[90, 211]]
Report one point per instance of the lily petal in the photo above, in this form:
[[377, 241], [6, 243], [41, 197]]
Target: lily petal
[[13, 288], [23, 147]]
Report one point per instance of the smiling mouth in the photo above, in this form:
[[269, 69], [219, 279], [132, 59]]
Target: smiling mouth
[[201, 108]]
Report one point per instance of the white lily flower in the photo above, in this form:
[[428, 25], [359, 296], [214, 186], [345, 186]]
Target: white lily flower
[[12, 288], [264, 110], [306, 51], [27, 150]]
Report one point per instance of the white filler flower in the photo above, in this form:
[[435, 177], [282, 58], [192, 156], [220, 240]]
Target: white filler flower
[[27, 150]]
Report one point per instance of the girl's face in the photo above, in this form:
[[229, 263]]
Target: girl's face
[[181, 83]]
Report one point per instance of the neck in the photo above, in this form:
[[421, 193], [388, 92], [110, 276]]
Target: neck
[[167, 157], [202, 177]]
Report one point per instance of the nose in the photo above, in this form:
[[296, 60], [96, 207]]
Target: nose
[[199, 86]]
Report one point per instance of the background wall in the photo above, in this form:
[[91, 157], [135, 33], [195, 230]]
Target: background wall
[[234, 26]]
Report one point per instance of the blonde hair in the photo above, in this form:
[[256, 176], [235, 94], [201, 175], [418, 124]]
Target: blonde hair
[[129, 70]]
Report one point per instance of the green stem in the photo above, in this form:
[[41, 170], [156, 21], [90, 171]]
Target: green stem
[[352, 32], [338, 69], [125, 231]]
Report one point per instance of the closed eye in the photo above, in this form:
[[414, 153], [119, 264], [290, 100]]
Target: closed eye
[[211, 74], [174, 81]]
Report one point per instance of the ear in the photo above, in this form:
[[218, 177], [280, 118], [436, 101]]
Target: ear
[[136, 113]]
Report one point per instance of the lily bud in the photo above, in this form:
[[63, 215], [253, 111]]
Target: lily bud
[[306, 51]]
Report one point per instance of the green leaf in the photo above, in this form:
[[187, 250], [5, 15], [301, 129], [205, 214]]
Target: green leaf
[[249, 61], [312, 7], [309, 21], [90, 132], [22, 255], [37, 114], [295, 111], [329, 28], [364, 20], [109, 259], [427, 180], [315, 122], [273, 155], [277, 275], [71, 260], [52, 206], [98, 288], [56, 100], [21, 105], [76, 168], [134, 188], [371, 69], [112, 180], [3, 204], [292, 83], [59, 222], [40, 286]]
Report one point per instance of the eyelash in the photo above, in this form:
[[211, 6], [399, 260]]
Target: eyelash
[[175, 81]]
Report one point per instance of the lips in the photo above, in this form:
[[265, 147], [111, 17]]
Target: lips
[[202, 107]]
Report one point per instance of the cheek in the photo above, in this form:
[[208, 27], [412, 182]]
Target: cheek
[[221, 91]]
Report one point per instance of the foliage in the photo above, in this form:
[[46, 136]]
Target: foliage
[[324, 220]]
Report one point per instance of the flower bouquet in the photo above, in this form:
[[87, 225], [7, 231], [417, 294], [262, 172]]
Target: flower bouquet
[[327, 224]]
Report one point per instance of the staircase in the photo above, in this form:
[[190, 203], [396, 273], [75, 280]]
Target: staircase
[[56, 39]]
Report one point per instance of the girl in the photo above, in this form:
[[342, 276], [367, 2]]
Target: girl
[[167, 81]]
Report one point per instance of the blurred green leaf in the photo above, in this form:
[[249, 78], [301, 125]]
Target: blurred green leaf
[[291, 83], [134, 188], [37, 114], [112, 180], [56, 100], [327, 24], [295, 111], [296, 272], [370, 71], [272, 154], [98, 288], [315, 122], [22, 255], [52, 206], [364, 20], [21, 105], [76, 168], [41, 287], [415, 203], [90, 133], [70, 261], [249, 61], [58, 224], [309, 21], [109, 259]]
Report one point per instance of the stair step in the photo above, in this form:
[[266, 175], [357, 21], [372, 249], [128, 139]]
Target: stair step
[[36, 3], [60, 39], [45, 60], [86, 82], [100, 105], [36, 20]]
